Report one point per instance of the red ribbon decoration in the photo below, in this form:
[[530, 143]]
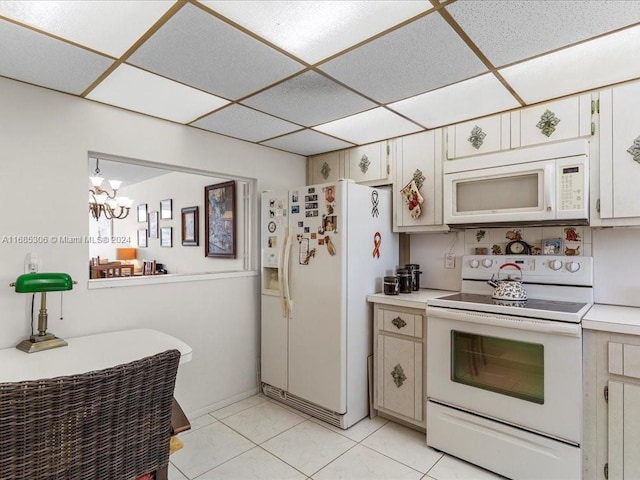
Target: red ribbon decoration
[[377, 240]]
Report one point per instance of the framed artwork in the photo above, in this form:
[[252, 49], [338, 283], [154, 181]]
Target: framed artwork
[[190, 231], [153, 224], [142, 212], [219, 220], [166, 237], [105, 227], [142, 238], [166, 209]]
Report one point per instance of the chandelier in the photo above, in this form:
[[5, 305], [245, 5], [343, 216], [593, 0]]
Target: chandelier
[[103, 202]]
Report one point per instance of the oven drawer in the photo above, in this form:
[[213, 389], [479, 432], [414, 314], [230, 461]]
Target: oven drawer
[[401, 322]]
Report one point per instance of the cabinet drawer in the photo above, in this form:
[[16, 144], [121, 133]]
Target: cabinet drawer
[[401, 322]]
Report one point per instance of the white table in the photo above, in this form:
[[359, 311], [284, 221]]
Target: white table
[[88, 353]]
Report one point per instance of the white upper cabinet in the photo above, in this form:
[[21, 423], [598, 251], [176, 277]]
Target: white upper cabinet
[[327, 167], [619, 156], [419, 158], [370, 164], [553, 121], [485, 135]]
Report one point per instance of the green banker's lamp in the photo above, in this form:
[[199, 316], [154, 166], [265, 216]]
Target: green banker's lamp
[[43, 283]]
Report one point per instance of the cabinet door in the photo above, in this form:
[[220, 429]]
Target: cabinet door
[[550, 122], [369, 164], [620, 152], [399, 379], [624, 430], [328, 167], [485, 135], [419, 157]]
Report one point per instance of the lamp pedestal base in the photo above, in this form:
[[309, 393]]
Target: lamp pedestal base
[[38, 343]]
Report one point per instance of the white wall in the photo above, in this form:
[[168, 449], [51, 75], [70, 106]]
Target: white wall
[[45, 137]]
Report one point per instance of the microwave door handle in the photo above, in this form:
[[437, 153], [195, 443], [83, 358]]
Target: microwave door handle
[[549, 192]]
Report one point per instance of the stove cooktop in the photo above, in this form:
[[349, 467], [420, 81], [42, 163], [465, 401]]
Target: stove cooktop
[[532, 307]]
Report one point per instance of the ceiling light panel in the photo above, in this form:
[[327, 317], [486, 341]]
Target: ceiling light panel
[[422, 56], [309, 99], [603, 61], [307, 142], [196, 48], [472, 98], [370, 126], [51, 63], [143, 92], [90, 23], [242, 122], [315, 30], [511, 31]]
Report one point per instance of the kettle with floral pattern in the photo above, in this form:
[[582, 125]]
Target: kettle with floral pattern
[[510, 289]]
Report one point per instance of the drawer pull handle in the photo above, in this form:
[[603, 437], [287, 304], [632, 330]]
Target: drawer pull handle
[[399, 323], [398, 375]]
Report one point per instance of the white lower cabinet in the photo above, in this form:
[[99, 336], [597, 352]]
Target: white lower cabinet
[[399, 342], [612, 406]]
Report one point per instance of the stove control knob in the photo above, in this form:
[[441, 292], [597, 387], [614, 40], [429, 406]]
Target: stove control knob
[[555, 264], [474, 263], [573, 266], [487, 262]]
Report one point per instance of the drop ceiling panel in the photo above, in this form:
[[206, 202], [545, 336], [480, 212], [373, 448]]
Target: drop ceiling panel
[[134, 89], [315, 30], [603, 61], [197, 49], [245, 123], [370, 126], [510, 31], [472, 98], [51, 63], [309, 99], [307, 142], [90, 23], [408, 61]]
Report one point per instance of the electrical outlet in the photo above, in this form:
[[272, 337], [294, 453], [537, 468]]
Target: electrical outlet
[[449, 260]]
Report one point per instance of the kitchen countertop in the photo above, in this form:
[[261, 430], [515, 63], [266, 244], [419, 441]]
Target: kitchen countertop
[[613, 318], [417, 299]]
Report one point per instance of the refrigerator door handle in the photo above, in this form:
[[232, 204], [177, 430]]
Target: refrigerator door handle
[[287, 293], [281, 263]]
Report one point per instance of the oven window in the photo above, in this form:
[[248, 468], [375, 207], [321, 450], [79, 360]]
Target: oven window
[[509, 367]]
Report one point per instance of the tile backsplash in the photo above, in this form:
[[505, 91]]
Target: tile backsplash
[[566, 240]]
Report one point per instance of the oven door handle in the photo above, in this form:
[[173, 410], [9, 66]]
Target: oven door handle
[[521, 323]]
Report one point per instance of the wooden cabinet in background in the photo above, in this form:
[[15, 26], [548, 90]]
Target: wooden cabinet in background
[[484, 135], [370, 164], [327, 167], [399, 341]]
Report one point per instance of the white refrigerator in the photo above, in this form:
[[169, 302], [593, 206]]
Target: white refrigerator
[[324, 249]]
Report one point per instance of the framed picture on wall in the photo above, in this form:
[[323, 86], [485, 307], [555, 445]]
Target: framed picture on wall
[[153, 224], [166, 210], [166, 237], [190, 227], [142, 238], [142, 212], [219, 220]]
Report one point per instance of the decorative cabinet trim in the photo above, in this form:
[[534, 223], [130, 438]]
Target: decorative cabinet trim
[[477, 137], [634, 150], [399, 323], [364, 164], [548, 122], [398, 375], [325, 170]]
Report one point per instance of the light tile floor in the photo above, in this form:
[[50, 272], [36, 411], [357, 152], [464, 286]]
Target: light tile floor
[[261, 439]]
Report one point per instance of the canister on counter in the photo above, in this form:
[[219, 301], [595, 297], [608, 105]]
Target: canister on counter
[[391, 285], [414, 270], [404, 277]]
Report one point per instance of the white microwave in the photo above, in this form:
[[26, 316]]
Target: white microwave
[[548, 184]]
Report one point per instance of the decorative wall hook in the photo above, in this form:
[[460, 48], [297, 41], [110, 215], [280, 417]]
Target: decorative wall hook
[[325, 170], [477, 137], [364, 164], [634, 150], [398, 375], [419, 178], [548, 122]]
